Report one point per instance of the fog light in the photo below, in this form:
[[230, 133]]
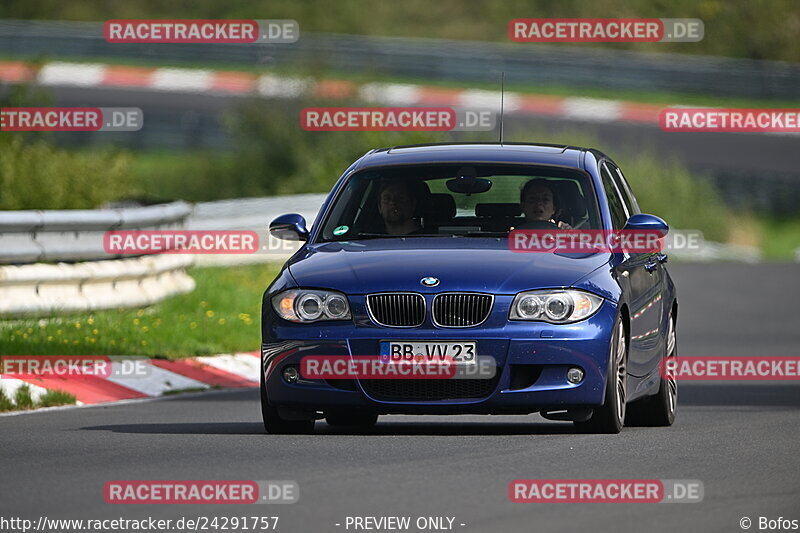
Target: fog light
[[290, 374], [574, 375]]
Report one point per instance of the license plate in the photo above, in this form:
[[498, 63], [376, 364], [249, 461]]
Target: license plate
[[459, 353]]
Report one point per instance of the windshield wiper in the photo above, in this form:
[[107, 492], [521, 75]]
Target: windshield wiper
[[389, 235], [482, 234], [364, 236]]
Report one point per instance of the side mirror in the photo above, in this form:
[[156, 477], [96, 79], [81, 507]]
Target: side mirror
[[643, 222], [291, 227]]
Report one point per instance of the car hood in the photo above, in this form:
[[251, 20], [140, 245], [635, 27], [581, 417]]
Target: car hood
[[461, 264]]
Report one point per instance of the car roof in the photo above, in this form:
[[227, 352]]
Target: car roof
[[472, 152]]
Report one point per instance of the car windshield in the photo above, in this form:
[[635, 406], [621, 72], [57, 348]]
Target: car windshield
[[460, 200]]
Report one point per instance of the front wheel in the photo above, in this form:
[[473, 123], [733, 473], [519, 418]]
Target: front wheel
[[610, 417], [659, 410]]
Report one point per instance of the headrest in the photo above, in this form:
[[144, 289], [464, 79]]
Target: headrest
[[441, 206], [572, 202], [422, 193], [498, 210]]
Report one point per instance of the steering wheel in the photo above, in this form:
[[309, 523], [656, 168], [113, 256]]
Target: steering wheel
[[537, 224]]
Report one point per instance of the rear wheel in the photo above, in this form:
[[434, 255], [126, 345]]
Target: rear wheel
[[353, 419], [659, 410], [276, 425], [610, 417]]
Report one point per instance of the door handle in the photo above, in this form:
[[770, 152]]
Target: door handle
[[651, 266]]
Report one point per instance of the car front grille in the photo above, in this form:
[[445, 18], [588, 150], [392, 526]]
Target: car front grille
[[397, 309], [461, 310], [429, 389]]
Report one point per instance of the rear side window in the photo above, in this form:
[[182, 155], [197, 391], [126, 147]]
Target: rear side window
[[618, 215]]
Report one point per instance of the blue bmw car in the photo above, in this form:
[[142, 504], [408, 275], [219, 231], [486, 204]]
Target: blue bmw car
[[409, 255]]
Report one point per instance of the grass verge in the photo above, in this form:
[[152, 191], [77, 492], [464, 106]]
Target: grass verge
[[23, 400], [221, 315], [779, 237]]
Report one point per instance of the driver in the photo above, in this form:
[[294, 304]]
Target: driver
[[540, 204], [397, 204]]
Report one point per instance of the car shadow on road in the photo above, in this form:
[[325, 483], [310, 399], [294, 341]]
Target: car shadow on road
[[740, 395], [184, 428], [385, 427]]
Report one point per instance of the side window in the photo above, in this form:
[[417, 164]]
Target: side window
[[625, 191], [618, 215]]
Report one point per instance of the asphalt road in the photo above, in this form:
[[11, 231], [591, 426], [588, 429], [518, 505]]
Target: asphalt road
[[739, 439]]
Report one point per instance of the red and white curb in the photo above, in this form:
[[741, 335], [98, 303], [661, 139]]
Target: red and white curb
[[271, 86], [161, 376]]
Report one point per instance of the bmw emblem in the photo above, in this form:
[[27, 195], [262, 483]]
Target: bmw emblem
[[430, 281]]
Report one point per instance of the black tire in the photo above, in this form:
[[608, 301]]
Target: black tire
[[659, 410], [352, 419], [276, 425], [610, 417]]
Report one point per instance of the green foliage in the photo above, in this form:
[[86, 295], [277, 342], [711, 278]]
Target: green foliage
[[758, 29], [37, 175], [5, 403], [666, 189], [23, 399], [780, 237], [53, 398], [276, 156]]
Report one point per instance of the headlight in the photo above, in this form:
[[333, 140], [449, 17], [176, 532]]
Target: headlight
[[306, 305], [557, 306]]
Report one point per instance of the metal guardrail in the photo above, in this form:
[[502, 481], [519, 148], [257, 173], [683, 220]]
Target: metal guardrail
[[432, 59], [44, 289], [77, 235], [97, 280]]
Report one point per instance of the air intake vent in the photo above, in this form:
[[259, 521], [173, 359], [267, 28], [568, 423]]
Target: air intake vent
[[422, 390], [397, 309], [461, 309]]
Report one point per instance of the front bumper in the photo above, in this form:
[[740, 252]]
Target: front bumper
[[532, 363]]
